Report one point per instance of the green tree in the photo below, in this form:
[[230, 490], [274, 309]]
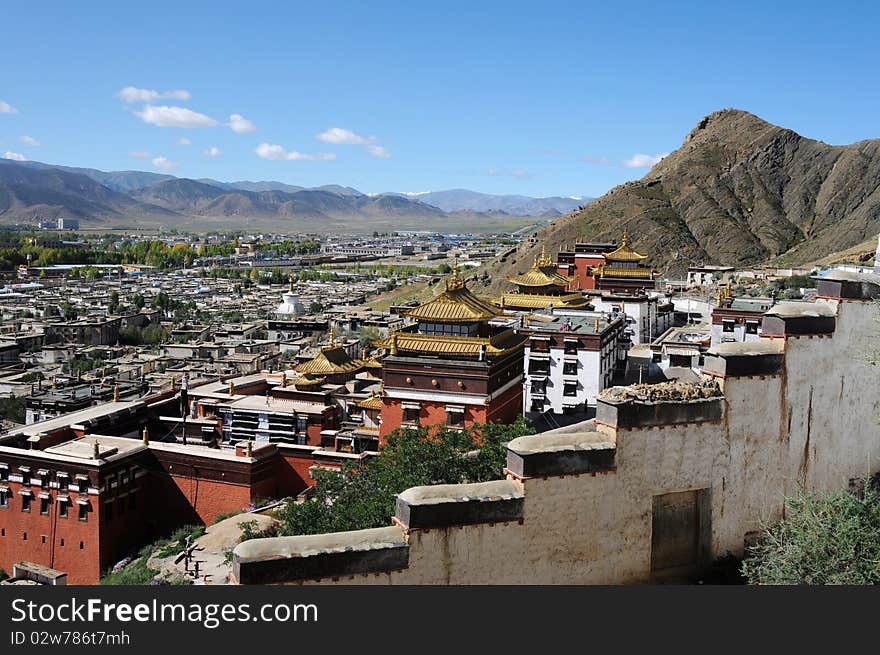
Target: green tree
[[362, 495], [315, 307], [824, 539]]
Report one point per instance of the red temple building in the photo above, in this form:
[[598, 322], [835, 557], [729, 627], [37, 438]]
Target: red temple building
[[460, 363]]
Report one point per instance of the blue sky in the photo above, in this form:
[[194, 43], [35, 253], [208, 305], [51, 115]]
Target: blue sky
[[547, 98]]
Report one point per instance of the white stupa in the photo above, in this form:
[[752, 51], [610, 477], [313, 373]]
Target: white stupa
[[291, 305]]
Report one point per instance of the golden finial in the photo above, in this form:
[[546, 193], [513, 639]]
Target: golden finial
[[250, 449], [625, 240], [544, 260], [455, 282], [231, 388], [116, 393], [720, 298], [332, 342], [146, 435], [96, 450], [394, 343], [290, 283]]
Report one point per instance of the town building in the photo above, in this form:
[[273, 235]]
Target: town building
[[579, 262], [569, 360], [738, 319], [708, 276]]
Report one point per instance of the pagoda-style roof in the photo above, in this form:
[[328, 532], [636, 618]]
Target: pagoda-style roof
[[373, 403], [304, 381], [542, 274], [540, 301], [629, 273], [624, 252], [432, 344], [372, 362], [332, 360], [455, 305]]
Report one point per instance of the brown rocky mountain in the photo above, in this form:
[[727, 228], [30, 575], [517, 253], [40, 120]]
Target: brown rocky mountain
[[738, 191]]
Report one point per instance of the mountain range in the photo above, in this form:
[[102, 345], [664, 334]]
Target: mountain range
[[32, 191], [739, 191]]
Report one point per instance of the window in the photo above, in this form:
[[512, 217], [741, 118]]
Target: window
[[539, 367], [727, 325], [44, 506], [63, 506], [537, 405], [83, 514], [410, 415], [656, 357], [539, 386], [570, 368], [540, 345], [571, 348], [4, 473], [4, 499], [25, 503], [455, 418], [570, 389], [751, 327]]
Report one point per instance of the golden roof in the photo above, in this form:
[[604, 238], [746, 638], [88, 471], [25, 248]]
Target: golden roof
[[411, 342], [540, 301], [371, 362], [455, 305], [331, 360], [543, 273], [373, 402], [308, 381], [634, 273], [624, 253]]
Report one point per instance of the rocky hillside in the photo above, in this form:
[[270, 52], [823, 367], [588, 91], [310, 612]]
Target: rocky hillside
[[738, 191]]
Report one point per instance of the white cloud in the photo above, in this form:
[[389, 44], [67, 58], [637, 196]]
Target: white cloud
[[379, 152], [213, 151], [240, 125], [164, 164], [643, 161], [278, 153], [139, 154], [339, 136], [17, 156], [183, 141], [520, 174], [6, 108], [163, 116], [134, 94], [28, 140]]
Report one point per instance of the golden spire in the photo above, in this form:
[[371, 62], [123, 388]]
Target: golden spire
[[455, 282], [394, 343], [290, 283], [625, 240], [332, 343], [116, 393], [544, 260]]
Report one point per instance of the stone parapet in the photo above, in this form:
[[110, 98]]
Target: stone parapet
[[311, 557], [444, 505]]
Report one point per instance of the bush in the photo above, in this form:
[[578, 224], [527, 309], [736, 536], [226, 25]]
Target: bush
[[823, 539], [362, 495]]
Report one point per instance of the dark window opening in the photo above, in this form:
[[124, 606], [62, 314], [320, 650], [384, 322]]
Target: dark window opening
[[411, 415], [727, 326], [62, 508], [83, 513], [455, 419], [570, 368], [25, 503], [570, 389], [751, 327], [44, 505]]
